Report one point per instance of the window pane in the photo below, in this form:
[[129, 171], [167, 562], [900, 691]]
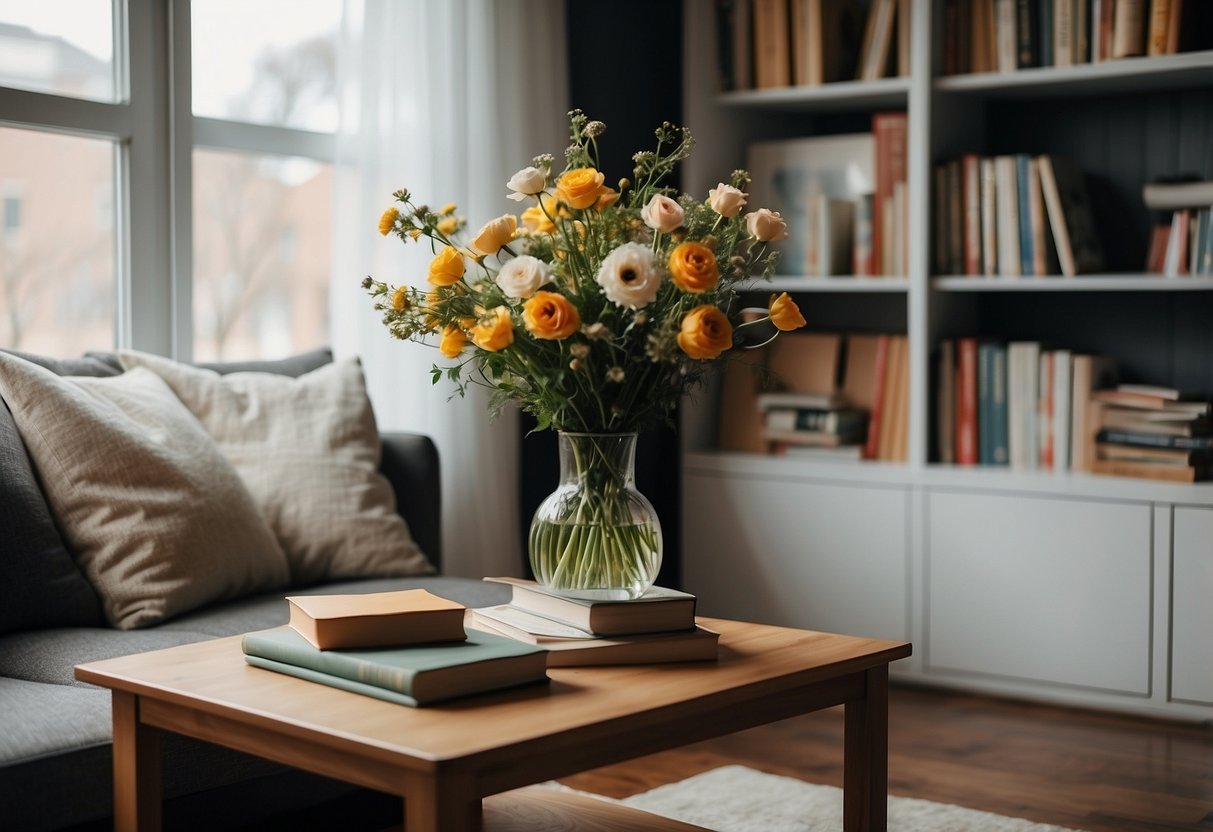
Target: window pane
[[64, 47], [261, 255], [57, 294], [269, 62]]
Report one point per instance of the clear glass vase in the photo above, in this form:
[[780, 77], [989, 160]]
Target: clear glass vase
[[596, 537]]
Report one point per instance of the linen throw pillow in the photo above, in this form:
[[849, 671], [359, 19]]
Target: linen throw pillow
[[308, 450], [155, 516]]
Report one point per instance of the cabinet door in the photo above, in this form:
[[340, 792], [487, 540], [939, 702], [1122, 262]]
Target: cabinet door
[[1052, 590], [1192, 606], [797, 554]]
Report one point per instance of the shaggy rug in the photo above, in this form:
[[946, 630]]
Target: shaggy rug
[[740, 799]]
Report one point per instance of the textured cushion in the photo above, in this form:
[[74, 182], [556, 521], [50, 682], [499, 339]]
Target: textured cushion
[[51, 655], [308, 450], [39, 720], [293, 366], [158, 520]]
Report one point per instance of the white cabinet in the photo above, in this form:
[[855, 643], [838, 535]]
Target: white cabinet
[[1047, 590], [800, 553], [1192, 606]]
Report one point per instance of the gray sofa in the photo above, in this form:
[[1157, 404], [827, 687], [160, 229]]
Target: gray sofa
[[55, 752]]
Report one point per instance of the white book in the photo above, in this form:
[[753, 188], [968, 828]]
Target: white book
[[1008, 216], [989, 223], [1023, 368]]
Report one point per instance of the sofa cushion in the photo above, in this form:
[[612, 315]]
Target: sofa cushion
[[50, 656], [308, 450], [41, 720], [156, 517]]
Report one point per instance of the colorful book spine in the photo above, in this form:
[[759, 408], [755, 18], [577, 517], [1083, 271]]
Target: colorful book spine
[[967, 452], [1023, 174]]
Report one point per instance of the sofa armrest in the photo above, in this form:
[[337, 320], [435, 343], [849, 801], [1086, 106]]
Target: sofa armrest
[[410, 463]]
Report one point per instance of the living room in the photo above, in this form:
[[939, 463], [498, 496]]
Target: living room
[[197, 182]]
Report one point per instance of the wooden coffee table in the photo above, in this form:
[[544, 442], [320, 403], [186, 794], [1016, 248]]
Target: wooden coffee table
[[443, 759]]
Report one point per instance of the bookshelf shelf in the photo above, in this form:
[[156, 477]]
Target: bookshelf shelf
[[951, 543], [839, 283], [839, 96], [1127, 282], [1124, 75]]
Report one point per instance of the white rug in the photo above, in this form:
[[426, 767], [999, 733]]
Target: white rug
[[740, 799]]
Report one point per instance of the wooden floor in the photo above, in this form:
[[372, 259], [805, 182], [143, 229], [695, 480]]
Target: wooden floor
[[1074, 768]]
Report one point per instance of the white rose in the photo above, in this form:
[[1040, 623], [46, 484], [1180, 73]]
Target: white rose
[[726, 200], [662, 214], [521, 277], [629, 276], [765, 225], [526, 182]]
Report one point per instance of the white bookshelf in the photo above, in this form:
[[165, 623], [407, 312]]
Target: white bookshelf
[[910, 550]]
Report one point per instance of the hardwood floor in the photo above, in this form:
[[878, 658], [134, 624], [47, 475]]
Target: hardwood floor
[[1074, 768]]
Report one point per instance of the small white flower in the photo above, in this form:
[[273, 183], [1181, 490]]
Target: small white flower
[[766, 225], [521, 277], [596, 331], [726, 200], [575, 364], [526, 182], [580, 350], [662, 214], [629, 276], [615, 374]]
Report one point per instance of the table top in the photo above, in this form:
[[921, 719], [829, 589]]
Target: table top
[[580, 703]]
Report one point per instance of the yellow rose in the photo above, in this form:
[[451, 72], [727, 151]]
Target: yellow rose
[[453, 341], [607, 197], [495, 234], [550, 316], [693, 267], [388, 220], [449, 208], [579, 187], [446, 268], [494, 331], [400, 299], [536, 221], [705, 332], [449, 225], [784, 313]]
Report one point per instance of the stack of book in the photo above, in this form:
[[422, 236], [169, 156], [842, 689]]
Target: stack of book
[[1154, 432], [408, 647], [655, 628], [813, 424], [1182, 240], [1014, 215]]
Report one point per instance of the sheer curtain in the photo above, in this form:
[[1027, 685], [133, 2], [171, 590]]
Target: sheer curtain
[[447, 99]]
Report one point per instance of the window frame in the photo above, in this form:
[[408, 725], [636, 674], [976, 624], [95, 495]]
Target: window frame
[[154, 132]]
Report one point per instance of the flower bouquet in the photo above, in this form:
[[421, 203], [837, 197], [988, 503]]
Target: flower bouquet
[[596, 310]]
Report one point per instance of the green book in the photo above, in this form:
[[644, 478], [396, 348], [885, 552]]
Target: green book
[[414, 675]]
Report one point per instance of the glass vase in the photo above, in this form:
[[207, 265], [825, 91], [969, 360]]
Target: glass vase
[[596, 537]]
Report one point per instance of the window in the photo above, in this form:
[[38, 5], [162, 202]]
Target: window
[[228, 256]]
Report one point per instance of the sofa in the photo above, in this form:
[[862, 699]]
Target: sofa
[[55, 732]]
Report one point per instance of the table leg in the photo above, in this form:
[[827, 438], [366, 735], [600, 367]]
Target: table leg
[[137, 788], [438, 805], [866, 761]]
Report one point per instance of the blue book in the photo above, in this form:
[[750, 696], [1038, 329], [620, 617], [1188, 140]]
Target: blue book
[[1045, 53], [415, 675], [999, 431], [985, 404], [1023, 170]]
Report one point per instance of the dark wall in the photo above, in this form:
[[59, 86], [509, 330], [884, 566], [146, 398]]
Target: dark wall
[[625, 69]]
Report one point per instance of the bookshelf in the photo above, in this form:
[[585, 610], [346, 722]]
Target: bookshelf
[[934, 545]]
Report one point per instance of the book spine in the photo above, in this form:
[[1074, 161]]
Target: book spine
[[1081, 32], [724, 45], [332, 663], [989, 219], [1044, 19], [1023, 174], [971, 164], [772, 67], [1036, 214], [1007, 39], [1128, 33], [1062, 405], [956, 220], [863, 260], [1155, 440], [1173, 22], [998, 390], [1044, 412], [985, 404], [332, 680], [1025, 34], [1008, 217], [966, 402], [1160, 22], [872, 446], [946, 404]]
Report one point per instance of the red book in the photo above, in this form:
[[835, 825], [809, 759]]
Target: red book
[[971, 177], [966, 401], [872, 445], [1045, 400], [890, 132]]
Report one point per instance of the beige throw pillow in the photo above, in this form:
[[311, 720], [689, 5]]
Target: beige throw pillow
[[158, 520], [308, 450]]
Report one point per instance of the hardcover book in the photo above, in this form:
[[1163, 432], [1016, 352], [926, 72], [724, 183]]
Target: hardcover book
[[416, 675], [376, 619], [658, 610]]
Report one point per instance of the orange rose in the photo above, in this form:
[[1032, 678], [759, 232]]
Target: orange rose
[[784, 313], [453, 341], [550, 316], [705, 332], [693, 267], [494, 331], [579, 187], [446, 268]]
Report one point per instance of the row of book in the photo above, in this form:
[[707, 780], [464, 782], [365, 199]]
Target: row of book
[[779, 43], [414, 648], [1019, 405], [1014, 215], [1182, 244], [1008, 35], [820, 395]]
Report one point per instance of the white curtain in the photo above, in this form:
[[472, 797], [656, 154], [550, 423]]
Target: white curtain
[[447, 99]]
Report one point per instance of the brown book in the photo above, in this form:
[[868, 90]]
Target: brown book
[[945, 406], [903, 38], [900, 451], [740, 426], [880, 397], [860, 381], [808, 54], [878, 37], [889, 131], [1173, 21], [772, 61], [894, 386], [806, 362], [1128, 28], [378, 619], [1088, 374], [1160, 24], [1167, 471]]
